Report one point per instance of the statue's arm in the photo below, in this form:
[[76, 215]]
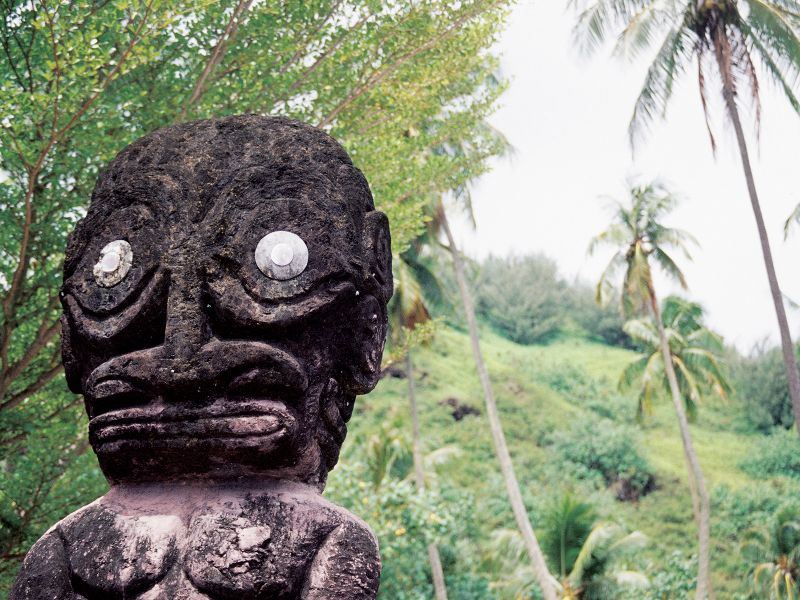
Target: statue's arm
[[347, 565], [45, 572]]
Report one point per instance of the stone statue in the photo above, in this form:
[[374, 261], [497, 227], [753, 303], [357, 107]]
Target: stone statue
[[224, 303]]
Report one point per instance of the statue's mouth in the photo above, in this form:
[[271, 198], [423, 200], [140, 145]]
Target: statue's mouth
[[158, 424], [254, 403]]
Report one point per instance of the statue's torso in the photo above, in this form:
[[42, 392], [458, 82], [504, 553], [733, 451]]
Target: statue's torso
[[238, 546]]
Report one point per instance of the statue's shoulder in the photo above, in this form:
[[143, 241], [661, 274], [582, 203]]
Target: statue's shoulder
[[45, 571], [346, 563]]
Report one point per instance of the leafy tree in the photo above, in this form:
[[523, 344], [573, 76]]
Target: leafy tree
[[584, 552], [406, 520], [761, 387], [696, 357], [774, 553], [526, 300], [522, 297], [82, 79], [712, 34], [773, 455], [640, 237]]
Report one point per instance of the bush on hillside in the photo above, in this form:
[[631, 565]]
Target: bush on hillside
[[761, 385], [738, 510], [526, 300], [601, 447], [521, 297], [777, 454], [602, 323]]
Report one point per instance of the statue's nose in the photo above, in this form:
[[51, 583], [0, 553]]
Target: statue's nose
[[187, 328]]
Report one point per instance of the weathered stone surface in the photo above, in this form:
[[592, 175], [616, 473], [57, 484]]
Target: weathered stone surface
[[218, 396]]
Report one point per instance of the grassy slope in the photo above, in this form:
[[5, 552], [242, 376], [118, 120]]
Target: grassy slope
[[530, 408]]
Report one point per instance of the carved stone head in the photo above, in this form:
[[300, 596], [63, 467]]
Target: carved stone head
[[225, 301]]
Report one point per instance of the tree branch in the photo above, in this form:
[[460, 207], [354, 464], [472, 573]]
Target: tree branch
[[43, 380], [216, 56], [379, 75]]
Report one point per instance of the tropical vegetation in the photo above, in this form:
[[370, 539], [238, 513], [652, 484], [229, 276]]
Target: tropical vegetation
[[742, 41], [519, 444], [641, 240]]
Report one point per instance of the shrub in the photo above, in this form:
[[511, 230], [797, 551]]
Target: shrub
[[521, 297], [762, 388], [777, 454], [600, 446], [526, 300], [603, 323], [677, 579]]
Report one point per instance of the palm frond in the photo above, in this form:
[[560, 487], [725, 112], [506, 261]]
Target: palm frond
[[617, 235], [605, 287], [640, 30], [594, 549], [643, 331], [669, 63], [632, 373], [793, 218], [597, 20], [669, 266], [701, 86]]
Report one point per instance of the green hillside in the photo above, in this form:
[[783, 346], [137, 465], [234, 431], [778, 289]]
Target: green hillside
[[559, 386]]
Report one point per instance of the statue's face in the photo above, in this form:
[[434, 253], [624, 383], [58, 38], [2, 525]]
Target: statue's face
[[225, 337]]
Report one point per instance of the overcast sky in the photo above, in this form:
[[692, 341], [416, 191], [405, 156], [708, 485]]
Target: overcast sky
[[567, 117]]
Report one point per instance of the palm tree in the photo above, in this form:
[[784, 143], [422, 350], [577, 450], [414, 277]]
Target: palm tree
[[696, 357], [775, 555], [544, 579], [407, 310], [711, 33], [640, 238], [438, 224], [584, 551]]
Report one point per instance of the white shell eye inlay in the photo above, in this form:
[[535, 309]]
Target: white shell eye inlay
[[113, 264], [281, 255]]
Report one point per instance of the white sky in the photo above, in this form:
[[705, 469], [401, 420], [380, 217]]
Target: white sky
[[567, 117]]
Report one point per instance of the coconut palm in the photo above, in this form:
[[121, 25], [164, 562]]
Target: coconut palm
[[716, 35], [439, 225], [584, 552], [775, 555], [696, 357], [408, 310], [543, 577], [643, 241]]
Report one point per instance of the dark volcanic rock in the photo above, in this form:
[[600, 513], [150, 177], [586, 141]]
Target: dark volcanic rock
[[224, 303], [459, 409]]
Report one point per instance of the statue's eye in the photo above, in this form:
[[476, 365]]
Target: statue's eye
[[113, 264], [281, 255]]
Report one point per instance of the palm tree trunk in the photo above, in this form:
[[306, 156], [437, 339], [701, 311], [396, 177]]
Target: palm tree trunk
[[501, 448], [722, 48], [419, 475], [697, 484]]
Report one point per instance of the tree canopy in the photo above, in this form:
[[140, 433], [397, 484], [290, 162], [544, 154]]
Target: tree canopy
[[81, 80]]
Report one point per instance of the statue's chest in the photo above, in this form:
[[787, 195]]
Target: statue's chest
[[264, 553]]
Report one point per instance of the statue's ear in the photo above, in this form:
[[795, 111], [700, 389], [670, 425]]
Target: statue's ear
[[69, 359], [370, 320], [378, 254], [366, 340]]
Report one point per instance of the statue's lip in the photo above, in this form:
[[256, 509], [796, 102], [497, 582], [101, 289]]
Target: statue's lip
[[221, 419]]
